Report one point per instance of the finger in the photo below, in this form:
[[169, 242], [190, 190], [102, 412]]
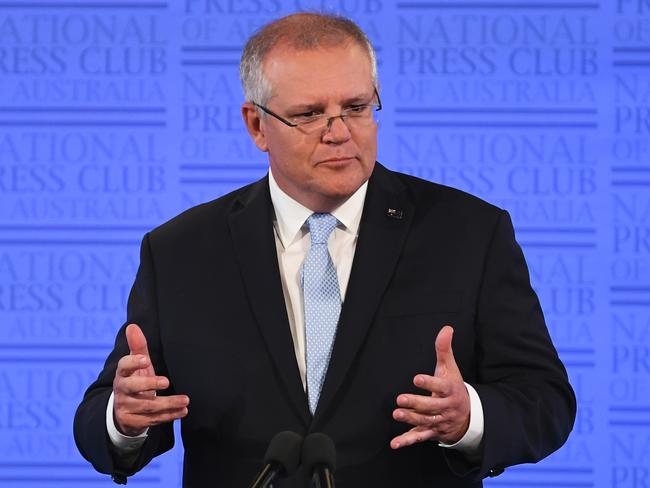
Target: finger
[[138, 422], [440, 387], [444, 352], [139, 384], [151, 406], [415, 418], [136, 339], [128, 365], [413, 436], [169, 416], [423, 404]]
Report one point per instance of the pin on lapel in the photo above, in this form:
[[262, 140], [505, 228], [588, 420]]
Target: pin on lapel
[[394, 213]]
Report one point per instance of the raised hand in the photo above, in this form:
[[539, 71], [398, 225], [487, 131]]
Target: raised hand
[[443, 414], [135, 405]]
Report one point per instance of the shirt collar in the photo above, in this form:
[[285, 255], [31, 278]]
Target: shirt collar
[[291, 215]]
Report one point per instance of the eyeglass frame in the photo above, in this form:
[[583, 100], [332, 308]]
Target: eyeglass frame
[[329, 119]]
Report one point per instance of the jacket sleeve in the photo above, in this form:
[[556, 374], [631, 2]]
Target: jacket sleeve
[[529, 406], [90, 432]]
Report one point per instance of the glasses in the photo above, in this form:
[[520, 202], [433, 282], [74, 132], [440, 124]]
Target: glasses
[[361, 115]]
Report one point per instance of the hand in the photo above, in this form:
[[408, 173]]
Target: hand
[[135, 404], [444, 414]]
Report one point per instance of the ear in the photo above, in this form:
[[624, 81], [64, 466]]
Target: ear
[[253, 122]]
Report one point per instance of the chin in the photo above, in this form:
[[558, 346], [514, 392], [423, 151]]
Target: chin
[[343, 190]]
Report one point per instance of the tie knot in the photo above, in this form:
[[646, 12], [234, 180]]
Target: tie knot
[[321, 226]]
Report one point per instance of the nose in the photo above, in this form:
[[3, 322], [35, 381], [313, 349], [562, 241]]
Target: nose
[[337, 130]]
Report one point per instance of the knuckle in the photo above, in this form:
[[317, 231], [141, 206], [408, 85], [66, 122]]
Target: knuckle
[[136, 384], [147, 407], [423, 420], [130, 386], [125, 363], [160, 419], [147, 383], [419, 403], [122, 386]]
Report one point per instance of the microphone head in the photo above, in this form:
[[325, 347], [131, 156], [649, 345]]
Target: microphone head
[[318, 450], [284, 450]]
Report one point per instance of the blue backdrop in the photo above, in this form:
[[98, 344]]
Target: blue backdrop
[[116, 115]]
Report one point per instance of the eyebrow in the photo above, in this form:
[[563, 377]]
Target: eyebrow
[[361, 98]]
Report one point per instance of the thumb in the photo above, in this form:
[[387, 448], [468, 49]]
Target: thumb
[[137, 341], [445, 362]]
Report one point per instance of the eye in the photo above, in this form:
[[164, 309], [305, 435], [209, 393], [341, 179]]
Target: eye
[[308, 115], [357, 109]]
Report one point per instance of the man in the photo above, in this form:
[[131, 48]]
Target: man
[[324, 298]]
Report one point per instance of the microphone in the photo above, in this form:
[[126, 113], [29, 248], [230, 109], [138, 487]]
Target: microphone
[[281, 459], [319, 459]]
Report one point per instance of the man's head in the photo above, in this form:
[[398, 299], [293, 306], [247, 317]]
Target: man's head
[[300, 66]]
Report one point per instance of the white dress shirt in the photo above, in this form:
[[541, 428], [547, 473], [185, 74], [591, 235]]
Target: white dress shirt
[[292, 243]]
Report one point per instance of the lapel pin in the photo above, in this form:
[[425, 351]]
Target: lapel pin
[[394, 213]]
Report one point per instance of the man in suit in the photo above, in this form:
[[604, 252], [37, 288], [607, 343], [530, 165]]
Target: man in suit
[[324, 298]]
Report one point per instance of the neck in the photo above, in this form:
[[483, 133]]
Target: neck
[[315, 202]]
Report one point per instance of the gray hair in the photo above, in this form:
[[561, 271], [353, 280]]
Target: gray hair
[[302, 31]]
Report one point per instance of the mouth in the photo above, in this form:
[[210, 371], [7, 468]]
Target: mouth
[[337, 161]]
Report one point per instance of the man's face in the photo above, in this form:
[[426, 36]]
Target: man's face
[[320, 170]]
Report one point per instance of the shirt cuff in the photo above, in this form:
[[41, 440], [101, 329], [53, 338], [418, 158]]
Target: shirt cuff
[[471, 441], [123, 443]]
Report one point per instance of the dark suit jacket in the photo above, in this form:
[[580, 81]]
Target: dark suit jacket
[[208, 297]]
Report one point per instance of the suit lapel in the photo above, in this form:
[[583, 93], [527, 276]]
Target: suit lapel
[[252, 232], [381, 238]]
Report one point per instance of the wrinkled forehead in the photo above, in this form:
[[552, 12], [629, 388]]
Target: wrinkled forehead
[[344, 70]]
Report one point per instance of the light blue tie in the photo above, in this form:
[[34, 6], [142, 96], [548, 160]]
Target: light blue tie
[[322, 303]]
